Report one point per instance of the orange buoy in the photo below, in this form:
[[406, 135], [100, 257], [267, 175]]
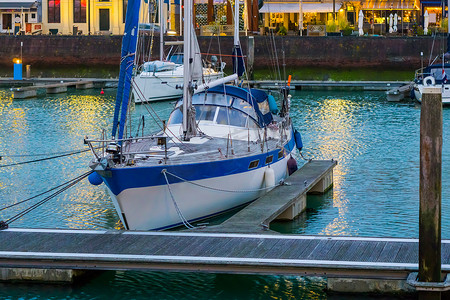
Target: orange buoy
[[289, 80], [102, 92]]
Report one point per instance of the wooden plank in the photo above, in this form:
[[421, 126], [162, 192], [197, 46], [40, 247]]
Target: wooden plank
[[375, 251], [278, 250], [346, 250], [320, 252], [263, 247], [389, 252], [300, 249]]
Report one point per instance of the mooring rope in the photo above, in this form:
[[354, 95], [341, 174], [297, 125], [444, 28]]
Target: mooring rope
[[180, 214], [40, 159], [223, 190], [65, 186]]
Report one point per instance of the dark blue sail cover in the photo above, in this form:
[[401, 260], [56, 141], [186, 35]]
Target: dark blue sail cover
[[129, 42], [238, 61], [252, 96]]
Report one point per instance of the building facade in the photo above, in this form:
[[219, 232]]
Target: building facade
[[20, 17]]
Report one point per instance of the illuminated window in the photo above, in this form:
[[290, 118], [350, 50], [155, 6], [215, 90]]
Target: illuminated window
[[54, 11], [79, 11]]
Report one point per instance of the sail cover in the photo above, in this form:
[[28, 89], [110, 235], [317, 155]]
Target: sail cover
[[129, 42]]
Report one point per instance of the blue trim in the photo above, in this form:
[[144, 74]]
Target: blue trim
[[138, 177]]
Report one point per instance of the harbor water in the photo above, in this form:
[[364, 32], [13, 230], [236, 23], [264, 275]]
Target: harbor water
[[376, 185]]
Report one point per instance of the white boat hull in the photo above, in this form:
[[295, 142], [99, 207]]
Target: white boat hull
[[418, 91], [152, 208], [158, 86]]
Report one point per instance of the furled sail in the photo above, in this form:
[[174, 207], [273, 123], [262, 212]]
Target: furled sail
[[197, 68], [129, 42]]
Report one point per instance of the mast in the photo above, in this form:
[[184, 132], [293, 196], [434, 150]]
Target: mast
[[236, 23], [238, 60], [161, 30], [189, 124]]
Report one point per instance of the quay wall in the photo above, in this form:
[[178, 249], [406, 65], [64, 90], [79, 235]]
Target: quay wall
[[333, 52]]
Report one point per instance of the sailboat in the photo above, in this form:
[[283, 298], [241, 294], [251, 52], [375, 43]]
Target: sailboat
[[223, 146], [161, 79]]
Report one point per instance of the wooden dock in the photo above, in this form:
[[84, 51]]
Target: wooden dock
[[336, 258], [331, 85], [51, 88]]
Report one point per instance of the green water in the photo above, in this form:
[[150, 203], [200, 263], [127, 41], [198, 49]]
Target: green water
[[375, 186]]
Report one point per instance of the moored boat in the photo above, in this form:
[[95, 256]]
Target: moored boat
[[222, 147]]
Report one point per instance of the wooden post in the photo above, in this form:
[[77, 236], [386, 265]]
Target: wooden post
[[210, 13], [229, 14], [430, 189]]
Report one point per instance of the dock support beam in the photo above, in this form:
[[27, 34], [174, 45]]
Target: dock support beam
[[57, 90], [41, 275], [84, 86], [24, 94], [430, 190]]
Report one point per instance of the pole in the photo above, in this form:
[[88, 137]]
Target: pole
[[89, 16], [300, 17], [161, 29], [430, 189], [421, 62]]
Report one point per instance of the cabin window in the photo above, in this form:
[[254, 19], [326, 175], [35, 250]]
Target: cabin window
[[54, 11], [244, 106], [176, 58], [232, 117], [264, 107], [213, 99], [281, 154], [269, 159], [253, 164], [79, 11], [205, 112]]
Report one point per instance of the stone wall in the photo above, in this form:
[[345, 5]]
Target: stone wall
[[335, 52]]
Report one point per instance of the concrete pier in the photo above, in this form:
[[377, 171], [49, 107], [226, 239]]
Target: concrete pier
[[41, 275], [50, 88]]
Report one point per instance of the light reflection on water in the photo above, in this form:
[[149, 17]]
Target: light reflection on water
[[375, 183]]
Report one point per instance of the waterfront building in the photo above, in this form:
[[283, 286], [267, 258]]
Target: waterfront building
[[22, 16], [326, 15], [309, 17]]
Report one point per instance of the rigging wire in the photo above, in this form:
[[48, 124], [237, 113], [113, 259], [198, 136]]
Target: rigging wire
[[67, 185], [43, 159], [40, 194]]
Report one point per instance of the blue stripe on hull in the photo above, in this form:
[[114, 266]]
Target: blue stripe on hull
[[137, 177]]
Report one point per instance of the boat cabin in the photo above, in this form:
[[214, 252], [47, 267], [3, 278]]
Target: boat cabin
[[228, 105]]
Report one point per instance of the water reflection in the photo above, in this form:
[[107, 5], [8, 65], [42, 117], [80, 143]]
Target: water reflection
[[375, 184]]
